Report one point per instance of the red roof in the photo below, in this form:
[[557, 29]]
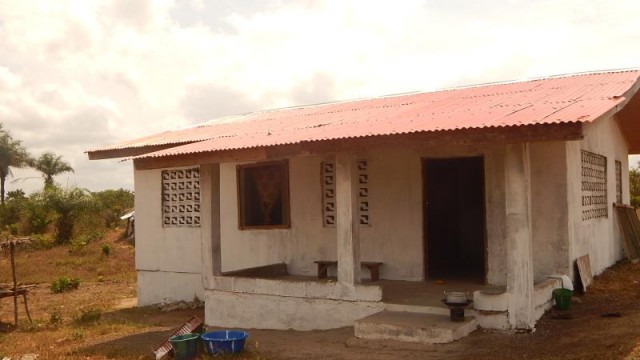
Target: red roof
[[569, 99]]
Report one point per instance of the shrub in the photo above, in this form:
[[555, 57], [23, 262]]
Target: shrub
[[42, 241], [112, 204], [37, 215], [106, 249], [64, 284]]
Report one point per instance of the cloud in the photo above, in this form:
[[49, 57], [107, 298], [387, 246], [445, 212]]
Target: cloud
[[208, 101], [77, 74]]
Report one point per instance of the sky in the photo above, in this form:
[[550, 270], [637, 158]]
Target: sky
[[78, 75]]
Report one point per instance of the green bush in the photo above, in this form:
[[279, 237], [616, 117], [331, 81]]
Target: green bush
[[112, 204], [106, 249], [64, 284], [37, 216], [42, 241]]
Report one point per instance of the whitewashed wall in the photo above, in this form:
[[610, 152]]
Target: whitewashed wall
[[395, 236], [599, 238], [549, 209], [167, 259]]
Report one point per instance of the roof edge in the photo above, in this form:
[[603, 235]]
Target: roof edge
[[131, 151]]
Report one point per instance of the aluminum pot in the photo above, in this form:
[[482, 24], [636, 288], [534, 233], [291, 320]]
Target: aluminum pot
[[455, 297]]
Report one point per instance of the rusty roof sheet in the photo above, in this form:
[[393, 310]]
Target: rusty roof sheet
[[554, 100]]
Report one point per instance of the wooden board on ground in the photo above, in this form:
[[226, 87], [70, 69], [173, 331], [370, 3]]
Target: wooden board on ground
[[584, 270], [193, 325], [630, 227]]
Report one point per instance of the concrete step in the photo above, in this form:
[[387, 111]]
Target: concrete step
[[434, 310], [413, 327]]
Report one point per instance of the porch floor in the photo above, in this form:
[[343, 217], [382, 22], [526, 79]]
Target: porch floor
[[414, 293], [426, 293]]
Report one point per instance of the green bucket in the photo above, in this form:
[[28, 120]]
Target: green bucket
[[562, 297], [185, 347]]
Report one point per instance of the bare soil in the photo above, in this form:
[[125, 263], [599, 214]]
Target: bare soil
[[122, 332]]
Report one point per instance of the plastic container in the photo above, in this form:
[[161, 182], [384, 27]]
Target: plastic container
[[224, 341], [562, 298], [185, 347]]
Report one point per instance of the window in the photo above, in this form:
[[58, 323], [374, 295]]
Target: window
[[181, 198], [594, 186], [618, 182], [328, 176], [263, 195]]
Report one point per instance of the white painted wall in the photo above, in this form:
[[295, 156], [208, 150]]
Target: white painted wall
[[599, 238], [167, 259], [549, 209], [395, 236]]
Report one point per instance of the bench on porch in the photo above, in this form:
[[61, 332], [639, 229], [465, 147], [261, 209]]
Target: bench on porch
[[373, 266]]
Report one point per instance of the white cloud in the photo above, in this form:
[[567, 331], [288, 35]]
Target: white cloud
[[77, 74]]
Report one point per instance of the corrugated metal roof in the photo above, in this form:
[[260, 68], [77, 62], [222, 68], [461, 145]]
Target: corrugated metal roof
[[576, 98]]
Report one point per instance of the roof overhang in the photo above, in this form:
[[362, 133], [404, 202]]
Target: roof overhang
[[182, 156], [629, 119], [128, 152]]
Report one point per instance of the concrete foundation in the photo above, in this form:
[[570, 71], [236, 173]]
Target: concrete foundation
[[259, 311]]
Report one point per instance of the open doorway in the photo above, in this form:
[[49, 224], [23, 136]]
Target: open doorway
[[454, 218]]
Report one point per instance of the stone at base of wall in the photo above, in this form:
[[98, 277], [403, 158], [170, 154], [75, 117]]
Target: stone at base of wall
[[156, 287], [237, 310]]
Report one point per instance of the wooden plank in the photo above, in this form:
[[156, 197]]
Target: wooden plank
[[584, 270], [193, 325], [12, 251], [634, 232], [630, 227]]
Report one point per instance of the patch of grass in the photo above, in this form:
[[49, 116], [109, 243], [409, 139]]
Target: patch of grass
[[35, 326], [64, 284], [55, 318], [89, 316], [77, 335]]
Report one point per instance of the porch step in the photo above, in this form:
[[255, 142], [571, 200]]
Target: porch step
[[413, 327]]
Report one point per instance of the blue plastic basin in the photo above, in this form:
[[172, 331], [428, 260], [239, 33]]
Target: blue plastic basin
[[224, 341]]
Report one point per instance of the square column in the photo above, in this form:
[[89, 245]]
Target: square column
[[347, 224], [210, 223], [519, 241]]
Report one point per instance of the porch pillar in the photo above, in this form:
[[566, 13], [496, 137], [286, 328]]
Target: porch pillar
[[347, 224], [210, 223], [519, 243]]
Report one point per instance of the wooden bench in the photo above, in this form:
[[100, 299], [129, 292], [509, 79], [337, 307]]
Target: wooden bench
[[373, 266]]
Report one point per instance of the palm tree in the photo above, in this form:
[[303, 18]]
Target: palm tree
[[12, 154], [50, 165]]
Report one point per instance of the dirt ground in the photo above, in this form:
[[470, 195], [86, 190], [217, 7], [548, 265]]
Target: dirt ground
[[130, 333]]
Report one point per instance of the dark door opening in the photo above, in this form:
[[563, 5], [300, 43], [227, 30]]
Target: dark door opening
[[454, 218]]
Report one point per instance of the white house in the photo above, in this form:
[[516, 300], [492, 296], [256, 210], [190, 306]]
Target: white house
[[489, 189]]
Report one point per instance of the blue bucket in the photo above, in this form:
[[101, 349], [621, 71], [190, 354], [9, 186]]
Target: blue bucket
[[224, 341]]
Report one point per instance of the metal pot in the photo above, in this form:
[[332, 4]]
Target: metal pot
[[455, 297]]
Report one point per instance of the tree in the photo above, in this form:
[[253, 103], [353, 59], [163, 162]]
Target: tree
[[12, 154], [634, 186], [68, 205], [50, 165]]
